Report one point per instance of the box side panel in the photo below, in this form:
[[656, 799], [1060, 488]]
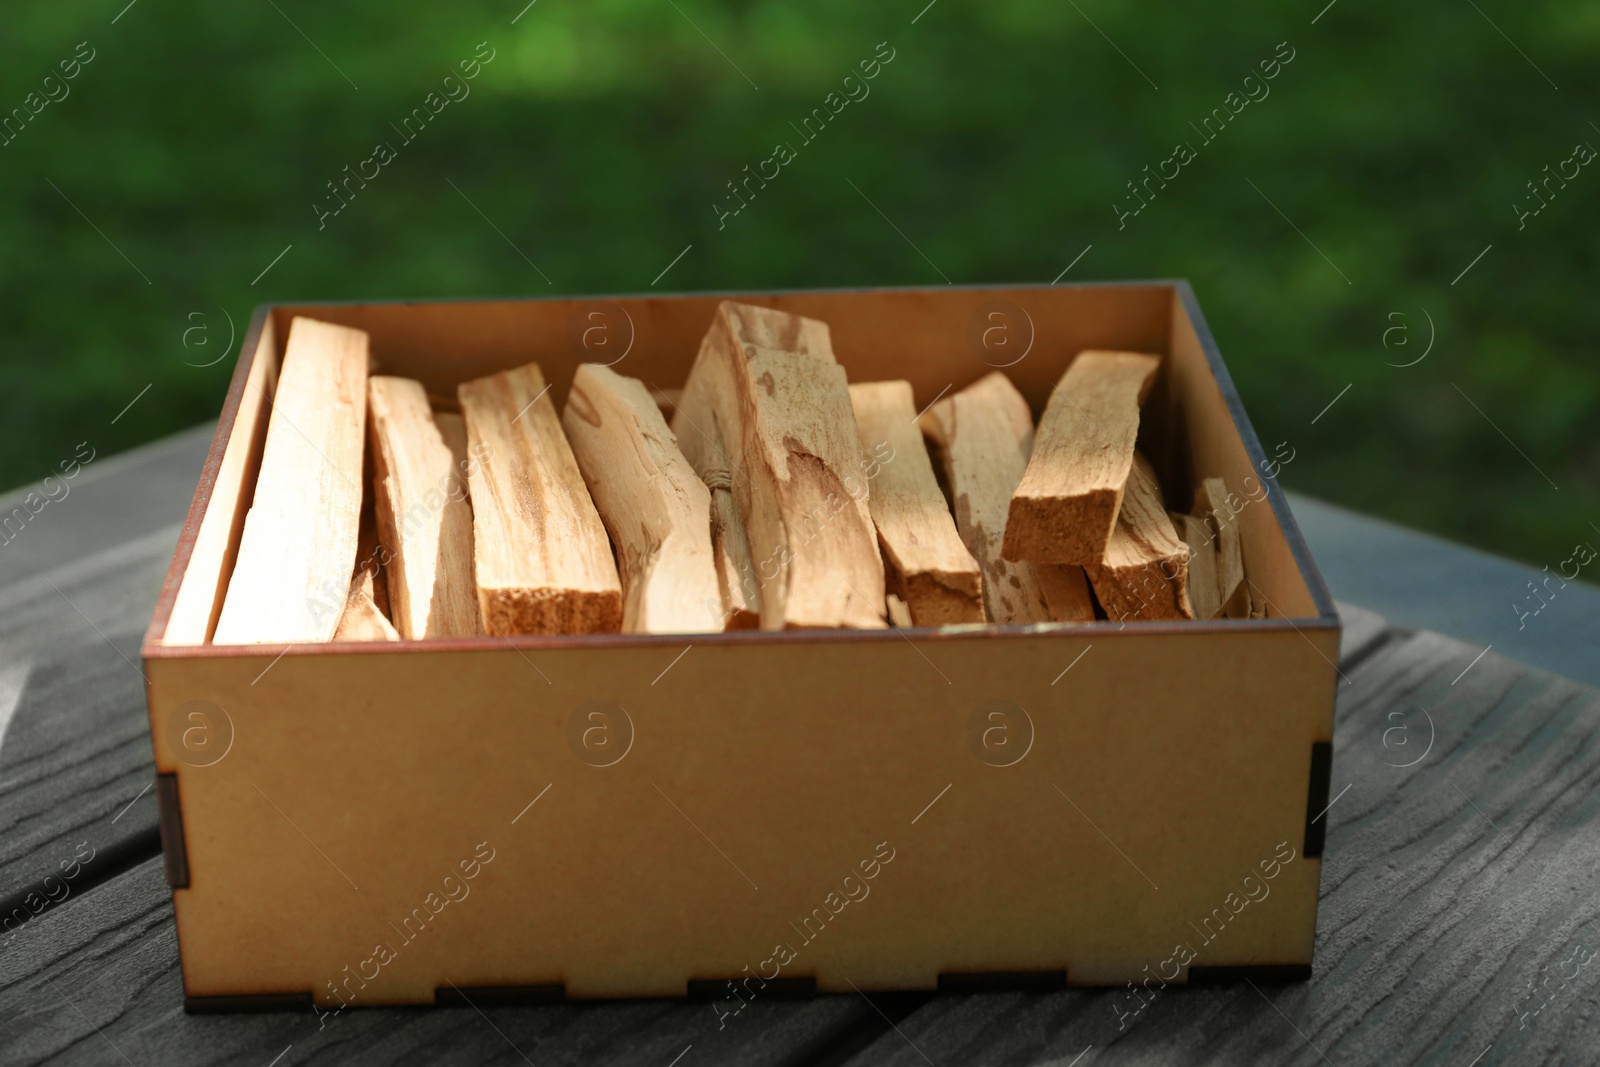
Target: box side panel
[[204, 580], [383, 825], [935, 338], [1205, 436]]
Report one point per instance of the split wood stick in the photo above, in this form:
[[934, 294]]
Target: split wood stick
[[797, 470], [984, 434], [1066, 505], [299, 539], [654, 504], [543, 563], [1211, 502], [362, 619], [1144, 573], [365, 616], [1203, 583], [899, 614], [694, 423], [423, 515], [927, 566]]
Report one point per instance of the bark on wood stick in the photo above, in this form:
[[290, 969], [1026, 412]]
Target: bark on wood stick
[[1066, 505], [543, 561], [650, 498], [297, 552], [1144, 573], [796, 465], [424, 519], [927, 566], [984, 434]]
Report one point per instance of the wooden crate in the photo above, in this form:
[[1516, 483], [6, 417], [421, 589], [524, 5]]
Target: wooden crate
[[746, 814]]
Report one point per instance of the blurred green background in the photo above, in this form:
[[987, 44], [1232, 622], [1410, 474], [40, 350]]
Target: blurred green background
[[1397, 140]]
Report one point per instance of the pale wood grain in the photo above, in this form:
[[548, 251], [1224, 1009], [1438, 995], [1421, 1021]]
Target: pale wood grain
[[694, 424], [1211, 501], [542, 559], [795, 459], [927, 566], [424, 519], [984, 434], [1202, 586], [363, 619], [1144, 573], [1065, 507], [655, 506], [300, 533]]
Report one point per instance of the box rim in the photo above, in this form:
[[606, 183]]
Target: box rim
[[153, 648]]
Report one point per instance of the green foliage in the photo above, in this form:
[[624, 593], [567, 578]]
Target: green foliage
[[998, 140]]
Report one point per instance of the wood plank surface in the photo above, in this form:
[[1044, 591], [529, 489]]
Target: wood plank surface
[[75, 759], [98, 982], [543, 560], [300, 533], [1462, 854], [926, 565], [654, 505]]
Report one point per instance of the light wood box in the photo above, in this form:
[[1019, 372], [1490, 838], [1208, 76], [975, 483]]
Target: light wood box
[[313, 797]]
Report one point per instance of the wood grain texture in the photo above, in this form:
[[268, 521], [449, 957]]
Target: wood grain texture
[[798, 474], [542, 558], [699, 435], [1449, 888], [926, 564], [654, 505], [75, 765], [1144, 573], [1211, 500], [1065, 508], [300, 533], [1197, 536], [363, 619], [984, 434], [98, 981], [424, 520]]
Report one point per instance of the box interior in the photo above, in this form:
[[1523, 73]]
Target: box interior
[[940, 340]]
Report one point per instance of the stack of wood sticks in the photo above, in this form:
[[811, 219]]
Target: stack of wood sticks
[[767, 493]]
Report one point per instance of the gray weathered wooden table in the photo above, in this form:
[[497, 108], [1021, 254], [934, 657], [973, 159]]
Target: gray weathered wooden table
[[1460, 910]]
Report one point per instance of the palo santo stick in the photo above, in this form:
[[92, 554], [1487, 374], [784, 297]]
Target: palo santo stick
[[927, 566], [1066, 505], [300, 534], [543, 562], [1202, 584], [423, 516], [363, 620], [694, 424], [784, 411], [655, 505], [984, 434], [1144, 573], [1211, 501]]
